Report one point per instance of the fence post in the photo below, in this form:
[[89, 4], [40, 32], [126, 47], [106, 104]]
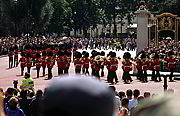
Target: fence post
[[165, 83]]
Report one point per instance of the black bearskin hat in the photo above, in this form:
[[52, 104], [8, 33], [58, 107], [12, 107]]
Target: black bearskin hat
[[156, 56], [127, 55], [83, 53], [113, 54], [102, 53], [86, 55], [38, 55], [22, 54], [50, 53], [143, 55], [170, 53], [78, 55]]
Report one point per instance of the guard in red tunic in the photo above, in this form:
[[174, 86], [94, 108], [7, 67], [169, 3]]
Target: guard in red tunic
[[29, 62], [93, 53], [127, 67], [78, 62], [145, 65], [44, 62], [15, 58], [83, 68], [156, 64], [171, 64], [86, 62], [22, 62], [67, 61], [50, 64], [112, 65], [97, 63], [60, 62], [10, 54], [139, 69], [102, 59], [38, 63]]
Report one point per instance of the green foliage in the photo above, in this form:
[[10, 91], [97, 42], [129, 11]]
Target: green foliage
[[62, 16]]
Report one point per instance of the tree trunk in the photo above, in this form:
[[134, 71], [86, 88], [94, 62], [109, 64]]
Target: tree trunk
[[115, 26]]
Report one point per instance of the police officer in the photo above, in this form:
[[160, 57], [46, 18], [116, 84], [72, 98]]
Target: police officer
[[27, 82]]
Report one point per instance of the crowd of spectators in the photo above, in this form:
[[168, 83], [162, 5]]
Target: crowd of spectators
[[28, 103], [6, 43]]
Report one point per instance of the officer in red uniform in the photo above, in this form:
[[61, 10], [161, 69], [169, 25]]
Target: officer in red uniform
[[127, 67], [93, 54], [139, 69], [78, 62], [38, 63], [112, 65], [97, 63], [83, 57], [29, 62], [171, 64], [67, 61], [22, 63], [10, 54], [60, 62], [144, 67], [86, 62], [156, 64], [102, 63], [44, 62], [50, 64], [15, 58]]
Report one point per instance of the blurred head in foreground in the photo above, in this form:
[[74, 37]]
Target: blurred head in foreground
[[167, 106], [78, 97]]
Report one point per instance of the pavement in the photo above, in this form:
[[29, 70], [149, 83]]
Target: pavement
[[8, 75]]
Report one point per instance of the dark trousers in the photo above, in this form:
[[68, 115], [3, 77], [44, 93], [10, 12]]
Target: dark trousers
[[97, 74], [10, 63], [102, 71], [112, 76], [144, 77], [44, 70], [49, 73], [38, 70], [77, 71], [15, 62], [60, 71], [126, 77], [93, 72], [22, 71], [171, 76], [139, 75], [157, 75], [66, 70], [29, 70]]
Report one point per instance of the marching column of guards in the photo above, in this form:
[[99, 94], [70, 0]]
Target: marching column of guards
[[60, 57]]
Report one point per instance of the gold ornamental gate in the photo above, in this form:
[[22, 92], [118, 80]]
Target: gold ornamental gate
[[163, 22]]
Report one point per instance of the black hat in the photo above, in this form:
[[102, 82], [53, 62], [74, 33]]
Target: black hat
[[78, 97], [102, 53], [127, 55], [50, 53], [170, 53], [86, 55], [143, 55], [78, 55], [113, 54], [38, 55]]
